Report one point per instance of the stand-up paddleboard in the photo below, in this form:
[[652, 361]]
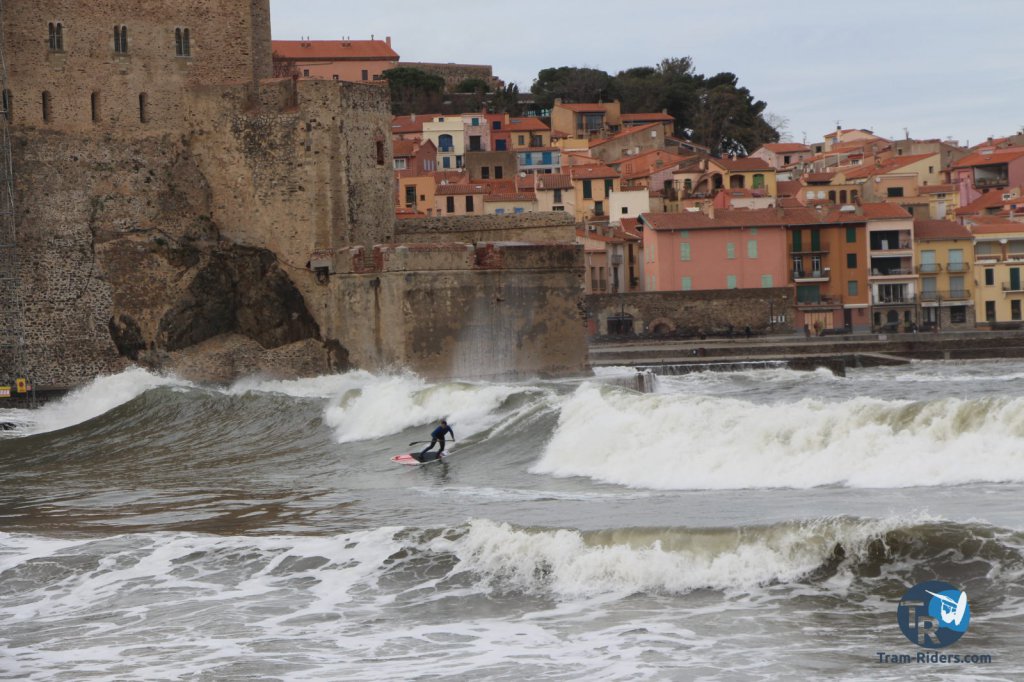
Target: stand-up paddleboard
[[407, 458]]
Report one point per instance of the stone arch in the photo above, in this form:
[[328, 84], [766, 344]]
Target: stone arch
[[661, 326]]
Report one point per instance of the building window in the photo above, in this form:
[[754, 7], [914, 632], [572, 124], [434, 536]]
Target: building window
[[499, 211], [485, 172], [380, 152], [958, 314], [684, 250], [522, 140], [598, 208], [121, 39], [469, 203], [752, 248], [588, 192], [990, 277], [766, 282], [94, 101], [446, 162], [46, 106], [517, 210], [305, 73], [851, 287], [607, 188], [990, 311], [625, 210], [558, 196], [401, 164], [686, 284], [730, 281], [758, 181], [499, 172], [364, 74], [458, 162], [851, 260], [450, 204], [56, 36], [894, 191], [143, 114], [730, 250], [183, 43]]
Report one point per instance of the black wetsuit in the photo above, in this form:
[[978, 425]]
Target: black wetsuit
[[436, 436]]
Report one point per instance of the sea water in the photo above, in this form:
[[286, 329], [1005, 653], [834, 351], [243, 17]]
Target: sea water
[[728, 526]]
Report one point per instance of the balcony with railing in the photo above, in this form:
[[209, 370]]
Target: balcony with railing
[[940, 297], [891, 271], [805, 276], [957, 267], [892, 298], [1013, 287], [929, 268]]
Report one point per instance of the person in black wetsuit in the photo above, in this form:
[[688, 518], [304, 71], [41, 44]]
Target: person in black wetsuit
[[436, 436]]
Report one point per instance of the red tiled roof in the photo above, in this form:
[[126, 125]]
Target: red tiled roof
[[333, 50], [745, 164], [984, 158], [584, 108], [546, 181], [819, 177], [636, 118], [1000, 226], [883, 211], [987, 200], [593, 172], [525, 124], [404, 147], [789, 188], [630, 226], [626, 132], [939, 229], [888, 166], [449, 190], [755, 217], [406, 124], [510, 196], [450, 177]]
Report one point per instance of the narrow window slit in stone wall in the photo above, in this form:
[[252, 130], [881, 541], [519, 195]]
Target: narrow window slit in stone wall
[[95, 102], [143, 114], [46, 106]]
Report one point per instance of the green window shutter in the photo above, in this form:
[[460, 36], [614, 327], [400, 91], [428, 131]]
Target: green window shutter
[[608, 187], [851, 235], [588, 193], [815, 240], [766, 282], [798, 241], [686, 284], [684, 250], [1015, 279], [752, 248], [730, 250], [851, 287], [730, 281]]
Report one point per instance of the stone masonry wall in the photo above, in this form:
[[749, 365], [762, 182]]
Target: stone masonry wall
[[554, 226], [463, 311], [691, 313], [229, 41], [454, 74]]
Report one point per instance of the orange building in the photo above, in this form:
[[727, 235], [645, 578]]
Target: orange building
[[345, 60]]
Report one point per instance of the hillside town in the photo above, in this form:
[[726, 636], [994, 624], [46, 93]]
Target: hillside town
[[869, 233]]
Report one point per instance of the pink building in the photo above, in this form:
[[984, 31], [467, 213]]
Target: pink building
[[735, 249], [988, 170], [345, 60], [781, 155]]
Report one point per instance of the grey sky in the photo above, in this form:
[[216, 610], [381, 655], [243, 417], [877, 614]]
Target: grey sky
[[937, 67]]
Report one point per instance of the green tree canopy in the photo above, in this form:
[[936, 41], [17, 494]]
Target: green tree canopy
[[473, 85], [712, 111], [414, 91]]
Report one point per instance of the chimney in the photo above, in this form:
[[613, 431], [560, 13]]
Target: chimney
[[558, 100], [711, 210], [412, 117], [387, 39]]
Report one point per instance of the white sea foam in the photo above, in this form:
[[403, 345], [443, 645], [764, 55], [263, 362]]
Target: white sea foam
[[99, 396], [699, 442], [626, 561], [325, 386], [385, 405]]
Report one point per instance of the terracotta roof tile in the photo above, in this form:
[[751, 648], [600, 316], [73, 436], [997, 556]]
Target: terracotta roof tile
[[741, 165], [786, 147], [453, 190], [510, 196], [593, 172], [626, 132], [984, 158], [937, 189], [634, 118], [756, 217], [888, 166], [586, 108], [939, 229], [333, 50], [526, 124]]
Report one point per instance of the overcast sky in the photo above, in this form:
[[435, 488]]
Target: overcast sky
[[938, 68]]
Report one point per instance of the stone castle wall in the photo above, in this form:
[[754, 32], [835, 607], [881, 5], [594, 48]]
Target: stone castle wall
[[188, 242], [553, 226], [229, 42], [454, 74], [460, 310], [692, 313]]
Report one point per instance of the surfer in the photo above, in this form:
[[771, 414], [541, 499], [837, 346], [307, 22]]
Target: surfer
[[436, 436]]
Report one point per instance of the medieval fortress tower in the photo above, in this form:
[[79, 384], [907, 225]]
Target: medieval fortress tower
[[174, 206]]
